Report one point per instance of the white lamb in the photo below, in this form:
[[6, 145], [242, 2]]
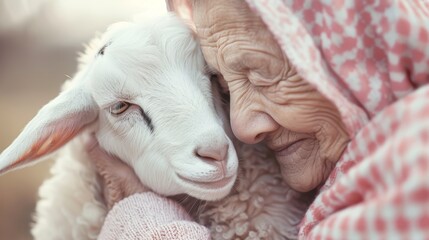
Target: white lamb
[[143, 90]]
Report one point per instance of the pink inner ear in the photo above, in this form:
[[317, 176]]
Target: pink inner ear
[[45, 145]]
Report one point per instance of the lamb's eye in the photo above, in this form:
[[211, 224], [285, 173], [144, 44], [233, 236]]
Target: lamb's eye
[[119, 108]]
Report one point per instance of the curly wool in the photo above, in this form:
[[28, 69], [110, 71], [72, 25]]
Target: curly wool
[[261, 205]]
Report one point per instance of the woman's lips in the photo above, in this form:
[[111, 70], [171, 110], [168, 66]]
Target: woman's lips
[[290, 148]]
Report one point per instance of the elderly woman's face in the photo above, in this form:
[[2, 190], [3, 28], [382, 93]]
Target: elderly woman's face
[[269, 100]]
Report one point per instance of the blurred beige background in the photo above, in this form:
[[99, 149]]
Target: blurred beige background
[[39, 42]]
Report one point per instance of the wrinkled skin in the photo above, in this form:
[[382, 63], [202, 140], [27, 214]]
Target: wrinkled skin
[[269, 100]]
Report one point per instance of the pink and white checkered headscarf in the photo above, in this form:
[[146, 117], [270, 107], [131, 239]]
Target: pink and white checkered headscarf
[[371, 59], [362, 55]]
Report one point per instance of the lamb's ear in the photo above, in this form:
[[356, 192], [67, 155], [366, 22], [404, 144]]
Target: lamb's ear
[[183, 8], [53, 126]]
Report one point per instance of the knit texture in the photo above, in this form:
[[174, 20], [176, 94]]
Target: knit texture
[[150, 217]]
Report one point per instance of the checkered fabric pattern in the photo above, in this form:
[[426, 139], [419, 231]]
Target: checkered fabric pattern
[[371, 59]]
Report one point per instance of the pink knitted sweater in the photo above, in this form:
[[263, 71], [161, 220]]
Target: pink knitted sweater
[[149, 216]]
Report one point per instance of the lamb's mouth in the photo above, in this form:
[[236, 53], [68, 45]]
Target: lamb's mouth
[[208, 185]]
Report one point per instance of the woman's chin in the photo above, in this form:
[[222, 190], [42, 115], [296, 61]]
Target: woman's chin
[[303, 169], [302, 183]]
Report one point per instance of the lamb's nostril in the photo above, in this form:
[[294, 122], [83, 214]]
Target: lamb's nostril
[[214, 153]]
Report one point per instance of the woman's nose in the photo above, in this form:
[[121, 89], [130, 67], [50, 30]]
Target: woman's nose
[[252, 127]]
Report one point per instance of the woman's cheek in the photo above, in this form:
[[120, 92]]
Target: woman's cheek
[[294, 117]]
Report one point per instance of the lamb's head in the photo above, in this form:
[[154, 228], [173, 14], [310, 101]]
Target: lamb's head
[[146, 93], [158, 112]]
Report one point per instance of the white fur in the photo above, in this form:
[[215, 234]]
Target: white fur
[[157, 66]]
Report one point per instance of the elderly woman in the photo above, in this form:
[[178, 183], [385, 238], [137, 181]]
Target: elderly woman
[[337, 89]]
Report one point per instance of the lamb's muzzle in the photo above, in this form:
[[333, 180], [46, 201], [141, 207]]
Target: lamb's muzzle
[[216, 153]]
